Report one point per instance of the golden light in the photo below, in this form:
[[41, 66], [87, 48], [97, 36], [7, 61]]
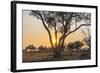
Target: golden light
[[54, 41]]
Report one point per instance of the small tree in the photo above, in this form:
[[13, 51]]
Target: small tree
[[30, 47], [70, 46], [75, 45], [42, 48]]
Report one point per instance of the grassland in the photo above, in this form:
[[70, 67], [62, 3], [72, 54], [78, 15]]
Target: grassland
[[38, 56]]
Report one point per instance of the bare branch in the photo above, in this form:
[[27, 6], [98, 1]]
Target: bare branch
[[84, 33], [77, 29], [49, 33], [75, 24], [67, 21]]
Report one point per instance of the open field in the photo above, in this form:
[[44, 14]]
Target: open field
[[32, 56]]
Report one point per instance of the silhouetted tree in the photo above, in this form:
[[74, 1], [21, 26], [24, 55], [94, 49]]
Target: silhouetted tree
[[30, 47], [61, 22], [42, 48], [75, 45]]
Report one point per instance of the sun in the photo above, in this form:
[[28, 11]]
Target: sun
[[54, 41]]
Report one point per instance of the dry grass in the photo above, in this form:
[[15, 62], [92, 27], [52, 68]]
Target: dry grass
[[32, 56]]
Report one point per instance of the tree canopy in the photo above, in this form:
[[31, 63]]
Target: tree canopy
[[64, 23]]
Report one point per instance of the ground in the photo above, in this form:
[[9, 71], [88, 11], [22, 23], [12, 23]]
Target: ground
[[33, 56]]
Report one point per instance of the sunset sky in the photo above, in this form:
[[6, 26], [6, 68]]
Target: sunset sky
[[34, 32]]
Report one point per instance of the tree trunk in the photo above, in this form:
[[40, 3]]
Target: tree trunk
[[60, 47], [50, 37], [55, 36]]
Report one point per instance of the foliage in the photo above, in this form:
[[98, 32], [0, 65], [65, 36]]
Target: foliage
[[61, 22], [75, 45]]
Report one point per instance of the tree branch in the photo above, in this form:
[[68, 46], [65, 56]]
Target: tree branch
[[67, 21], [49, 33], [77, 29], [66, 28], [84, 33]]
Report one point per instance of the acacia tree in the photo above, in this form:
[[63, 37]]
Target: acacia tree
[[61, 22], [75, 45]]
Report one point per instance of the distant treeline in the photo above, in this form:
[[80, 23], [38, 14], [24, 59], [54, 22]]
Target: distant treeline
[[72, 46]]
